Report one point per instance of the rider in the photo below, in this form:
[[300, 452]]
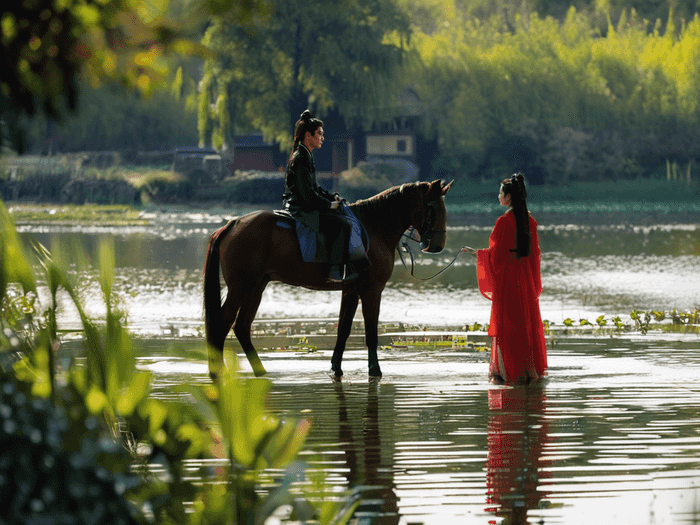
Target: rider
[[309, 203]]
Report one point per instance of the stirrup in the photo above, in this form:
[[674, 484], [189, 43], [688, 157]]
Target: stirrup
[[336, 274], [341, 273]]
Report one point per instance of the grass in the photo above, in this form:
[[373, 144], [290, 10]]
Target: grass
[[112, 214]]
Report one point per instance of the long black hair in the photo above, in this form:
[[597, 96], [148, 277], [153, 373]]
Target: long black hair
[[515, 187], [305, 123]]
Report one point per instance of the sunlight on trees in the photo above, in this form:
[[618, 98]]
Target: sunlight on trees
[[483, 79]]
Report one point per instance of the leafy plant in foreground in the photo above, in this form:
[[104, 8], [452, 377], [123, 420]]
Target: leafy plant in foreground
[[61, 459]]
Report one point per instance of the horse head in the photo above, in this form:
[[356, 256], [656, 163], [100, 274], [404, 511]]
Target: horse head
[[431, 216]]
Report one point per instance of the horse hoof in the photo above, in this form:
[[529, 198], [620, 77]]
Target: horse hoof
[[337, 377], [375, 372]]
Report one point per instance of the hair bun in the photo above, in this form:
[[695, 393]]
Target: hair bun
[[305, 116], [518, 179]]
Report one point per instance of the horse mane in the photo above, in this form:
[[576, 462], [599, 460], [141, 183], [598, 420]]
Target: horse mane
[[389, 205]]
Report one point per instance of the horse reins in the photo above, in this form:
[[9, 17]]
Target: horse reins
[[406, 247]]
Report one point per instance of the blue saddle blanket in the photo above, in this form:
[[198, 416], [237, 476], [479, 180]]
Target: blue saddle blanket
[[313, 251]]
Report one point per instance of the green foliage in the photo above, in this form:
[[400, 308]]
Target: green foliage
[[47, 45], [59, 459], [163, 186], [573, 102], [267, 70], [90, 213], [14, 267], [641, 321], [108, 118]]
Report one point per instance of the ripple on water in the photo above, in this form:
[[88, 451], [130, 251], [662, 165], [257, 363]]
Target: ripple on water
[[611, 436]]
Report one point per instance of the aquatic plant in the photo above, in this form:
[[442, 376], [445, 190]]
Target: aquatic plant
[[640, 320]]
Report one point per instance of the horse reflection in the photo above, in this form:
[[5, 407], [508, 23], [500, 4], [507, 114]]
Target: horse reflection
[[369, 464], [517, 432]]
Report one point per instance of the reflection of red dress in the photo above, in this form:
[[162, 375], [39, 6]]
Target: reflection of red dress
[[513, 285], [518, 433]]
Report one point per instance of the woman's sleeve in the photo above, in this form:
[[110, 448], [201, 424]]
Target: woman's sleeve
[[535, 257], [491, 262]]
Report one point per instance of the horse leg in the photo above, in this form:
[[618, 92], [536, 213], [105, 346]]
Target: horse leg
[[348, 307], [218, 338], [370, 312], [244, 321]]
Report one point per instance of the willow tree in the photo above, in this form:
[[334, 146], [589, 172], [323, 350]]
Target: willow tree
[[342, 56]]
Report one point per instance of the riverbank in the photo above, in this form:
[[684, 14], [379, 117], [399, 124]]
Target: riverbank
[[641, 202]]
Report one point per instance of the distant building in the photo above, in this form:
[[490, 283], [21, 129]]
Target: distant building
[[396, 140], [391, 145], [251, 152], [337, 154]]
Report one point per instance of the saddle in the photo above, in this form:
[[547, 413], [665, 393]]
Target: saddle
[[313, 244]]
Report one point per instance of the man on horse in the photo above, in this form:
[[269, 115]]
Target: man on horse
[[312, 205]]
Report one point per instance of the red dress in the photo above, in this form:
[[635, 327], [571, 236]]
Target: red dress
[[518, 351]]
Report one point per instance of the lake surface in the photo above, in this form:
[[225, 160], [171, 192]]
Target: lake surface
[[611, 436], [588, 269]]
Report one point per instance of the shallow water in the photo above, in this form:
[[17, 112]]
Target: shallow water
[[612, 435], [587, 271]]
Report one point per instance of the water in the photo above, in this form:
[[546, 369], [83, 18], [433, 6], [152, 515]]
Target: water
[[611, 436], [587, 270]]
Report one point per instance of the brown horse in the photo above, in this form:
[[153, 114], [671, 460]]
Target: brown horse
[[254, 250]]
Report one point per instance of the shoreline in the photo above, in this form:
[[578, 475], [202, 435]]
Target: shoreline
[[592, 213]]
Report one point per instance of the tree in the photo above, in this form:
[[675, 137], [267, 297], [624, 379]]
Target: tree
[[344, 56], [47, 45]]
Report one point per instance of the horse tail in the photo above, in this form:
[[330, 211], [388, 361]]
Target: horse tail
[[212, 308]]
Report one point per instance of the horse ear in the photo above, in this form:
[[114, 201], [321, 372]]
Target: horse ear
[[446, 187]]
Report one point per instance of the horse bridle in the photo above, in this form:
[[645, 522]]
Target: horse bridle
[[428, 229]]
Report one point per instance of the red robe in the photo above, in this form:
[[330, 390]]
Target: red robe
[[518, 351]]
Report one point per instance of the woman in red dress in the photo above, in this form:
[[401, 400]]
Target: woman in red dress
[[509, 275]]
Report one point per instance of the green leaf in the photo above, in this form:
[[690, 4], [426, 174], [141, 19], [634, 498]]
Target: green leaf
[[88, 15], [155, 412], [14, 267], [96, 400], [286, 443], [107, 263], [134, 394]]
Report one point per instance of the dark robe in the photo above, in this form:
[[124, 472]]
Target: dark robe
[[311, 205], [303, 197]]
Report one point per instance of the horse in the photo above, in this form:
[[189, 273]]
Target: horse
[[254, 249]]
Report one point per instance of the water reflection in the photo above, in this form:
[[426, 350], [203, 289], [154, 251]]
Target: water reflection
[[610, 437], [517, 433], [369, 464]]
